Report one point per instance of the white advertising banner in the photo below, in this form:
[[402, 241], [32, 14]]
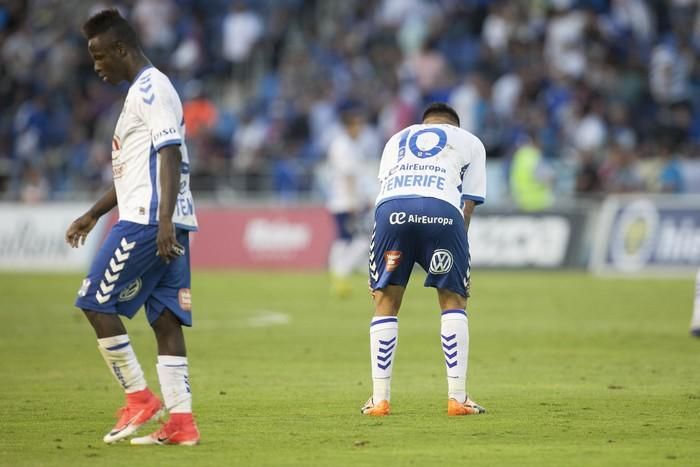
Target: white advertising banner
[[32, 237], [520, 240]]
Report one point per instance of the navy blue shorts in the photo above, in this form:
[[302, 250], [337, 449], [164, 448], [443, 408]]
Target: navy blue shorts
[[427, 231], [127, 274]]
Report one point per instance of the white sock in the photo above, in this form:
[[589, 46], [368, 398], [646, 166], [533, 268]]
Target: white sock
[[383, 342], [121, 359], [174, 383], [454, 333], [338, 258], [695, 321]]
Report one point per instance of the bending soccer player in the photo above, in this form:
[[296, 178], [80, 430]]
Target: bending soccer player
[[144, 261], [432, 175]]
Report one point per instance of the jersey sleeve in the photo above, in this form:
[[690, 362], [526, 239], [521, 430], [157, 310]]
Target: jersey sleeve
[[388, 159], [161, 111], [474, 178]]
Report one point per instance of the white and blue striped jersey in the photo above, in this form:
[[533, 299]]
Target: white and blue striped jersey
[[436, 161], [151, 119]]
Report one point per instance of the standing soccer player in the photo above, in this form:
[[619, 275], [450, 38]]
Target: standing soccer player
[[144, 261], [349, 197], [432, 176], [695, 320]]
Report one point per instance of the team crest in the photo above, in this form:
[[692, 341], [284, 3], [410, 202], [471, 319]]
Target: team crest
[[130, 291], [392, 258], [184, 297], [441, 262]]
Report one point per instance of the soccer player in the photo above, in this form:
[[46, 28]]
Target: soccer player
[[432, 176], [695, 320], [144, 261], [349, 195]]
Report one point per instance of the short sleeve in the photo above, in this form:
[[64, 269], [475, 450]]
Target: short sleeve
[[161, 111], [388, 158], [474, 178]]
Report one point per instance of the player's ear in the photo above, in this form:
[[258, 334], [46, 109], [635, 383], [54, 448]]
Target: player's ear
[[120, 48]]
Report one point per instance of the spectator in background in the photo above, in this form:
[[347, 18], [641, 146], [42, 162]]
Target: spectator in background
[[620, 171], [242, 29], [35, 188], [531, 178], [621, 72], [670, 178]]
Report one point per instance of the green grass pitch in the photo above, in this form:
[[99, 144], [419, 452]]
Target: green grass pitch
[[573, 370]]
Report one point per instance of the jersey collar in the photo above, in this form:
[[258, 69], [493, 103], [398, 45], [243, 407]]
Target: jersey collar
[[138, 75]]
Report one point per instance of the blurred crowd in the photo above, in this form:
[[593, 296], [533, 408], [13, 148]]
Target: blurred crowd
[[605, 92]]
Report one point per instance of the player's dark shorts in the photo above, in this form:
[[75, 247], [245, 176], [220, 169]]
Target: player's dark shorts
[[427, 231], [352, 224], [127, 274]]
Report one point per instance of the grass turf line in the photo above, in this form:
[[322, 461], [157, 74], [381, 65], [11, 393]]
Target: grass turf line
[[572, 369]]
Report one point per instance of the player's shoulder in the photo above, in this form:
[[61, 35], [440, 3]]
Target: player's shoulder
[[468, 138], [152, 81]]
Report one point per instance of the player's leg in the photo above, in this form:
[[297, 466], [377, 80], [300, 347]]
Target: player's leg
[[454, 337], [169, 308], [390, 264], [112, 278], [445, 256], [695, 321], [338, 262], [383, 342]]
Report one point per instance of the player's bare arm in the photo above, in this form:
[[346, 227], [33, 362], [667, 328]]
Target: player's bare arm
[[81, 227], [170, 161], [468, 210]]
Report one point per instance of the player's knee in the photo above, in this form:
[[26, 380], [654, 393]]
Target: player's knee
[[166, 323], [105, 324], [450, 300], [387, 301]]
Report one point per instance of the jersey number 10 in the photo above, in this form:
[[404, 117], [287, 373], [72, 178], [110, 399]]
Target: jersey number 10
[[413, 143]]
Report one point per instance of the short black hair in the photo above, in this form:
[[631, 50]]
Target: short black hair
[[441, 108], [111, 20]]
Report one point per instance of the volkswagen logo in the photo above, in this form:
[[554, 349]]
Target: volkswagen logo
[[441, 262], [130, 291]]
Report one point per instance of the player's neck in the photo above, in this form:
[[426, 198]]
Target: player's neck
[[136, 63]]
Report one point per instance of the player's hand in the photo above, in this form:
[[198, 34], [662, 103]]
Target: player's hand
[[168, 246], [79, 229]]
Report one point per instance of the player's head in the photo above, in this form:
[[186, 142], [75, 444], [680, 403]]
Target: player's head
[[439, 112], [352, 116], [111, 41]]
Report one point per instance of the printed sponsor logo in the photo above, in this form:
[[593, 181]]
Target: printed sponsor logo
[[130, 291], [164, 133], [392, 260], [632, 242], [84, 288], [276, 236], [397, 218], [649, 234], [519, 240], [401, 217], [184, 297], [441, 262]]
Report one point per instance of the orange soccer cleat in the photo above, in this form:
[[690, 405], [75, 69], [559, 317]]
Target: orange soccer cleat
[[376, 410], [141, 407], [180, 429], [468, 407]]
